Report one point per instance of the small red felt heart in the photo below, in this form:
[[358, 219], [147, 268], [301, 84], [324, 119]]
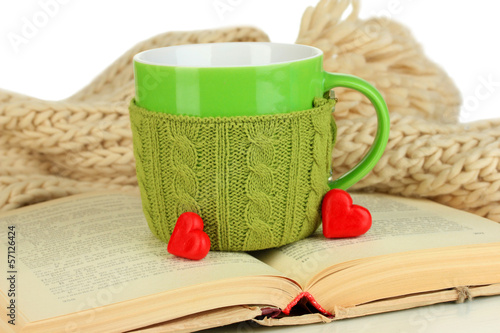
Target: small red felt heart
[[341, 218], [188, 239]]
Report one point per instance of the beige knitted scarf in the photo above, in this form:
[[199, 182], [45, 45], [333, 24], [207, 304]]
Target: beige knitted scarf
[[83, 143]]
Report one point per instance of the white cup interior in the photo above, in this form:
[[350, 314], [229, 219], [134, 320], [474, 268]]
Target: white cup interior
[[236, 54]]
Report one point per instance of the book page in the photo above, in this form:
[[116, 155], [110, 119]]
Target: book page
[[399, 224], [87, 251]]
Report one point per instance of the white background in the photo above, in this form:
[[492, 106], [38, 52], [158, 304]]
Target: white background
[[81, 38]]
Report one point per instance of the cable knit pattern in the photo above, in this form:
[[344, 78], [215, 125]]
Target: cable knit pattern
[[322, 132], [181, 159], [257, 182], [52, 149], [260, 184]]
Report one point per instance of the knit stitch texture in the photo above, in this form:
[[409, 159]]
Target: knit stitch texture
[[256, 181], [53, 149]]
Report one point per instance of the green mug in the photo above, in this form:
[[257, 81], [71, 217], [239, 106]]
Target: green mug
[[241, 134]]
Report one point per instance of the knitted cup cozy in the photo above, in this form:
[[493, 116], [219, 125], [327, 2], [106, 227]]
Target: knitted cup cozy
[[256, 181]]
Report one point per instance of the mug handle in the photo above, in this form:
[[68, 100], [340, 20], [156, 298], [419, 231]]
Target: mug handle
[[334, 80]]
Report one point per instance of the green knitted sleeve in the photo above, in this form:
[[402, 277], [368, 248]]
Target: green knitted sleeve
[[257, 182]]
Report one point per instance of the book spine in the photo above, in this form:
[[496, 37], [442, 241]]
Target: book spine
[[311, 300]]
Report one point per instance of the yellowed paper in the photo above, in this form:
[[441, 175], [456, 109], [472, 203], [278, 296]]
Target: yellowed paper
[[205, 320], [399, 225], [87, 251]]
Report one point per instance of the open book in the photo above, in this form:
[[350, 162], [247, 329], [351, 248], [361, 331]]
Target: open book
[[88, 263]]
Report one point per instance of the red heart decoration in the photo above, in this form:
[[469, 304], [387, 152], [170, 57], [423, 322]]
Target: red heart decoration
[[341, 218], [188, 239]]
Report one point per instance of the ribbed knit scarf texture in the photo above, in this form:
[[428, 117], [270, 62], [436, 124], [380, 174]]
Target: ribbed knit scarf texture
[[52, 149], [256, 181]]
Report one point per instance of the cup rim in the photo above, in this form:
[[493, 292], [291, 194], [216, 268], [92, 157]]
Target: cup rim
[[140, 57]]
